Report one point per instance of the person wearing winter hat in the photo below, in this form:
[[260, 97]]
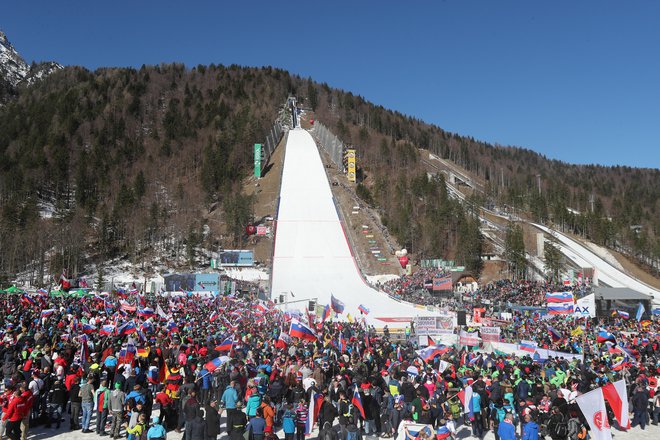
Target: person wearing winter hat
[[156, 430]]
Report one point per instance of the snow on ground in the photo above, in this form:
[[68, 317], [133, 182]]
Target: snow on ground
[[604, 254], [312, 258], [605, 272], [463, 432], [247, 274], [375, 279]]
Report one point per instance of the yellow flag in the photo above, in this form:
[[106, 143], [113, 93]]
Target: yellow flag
[[577, 331], [349, 317]]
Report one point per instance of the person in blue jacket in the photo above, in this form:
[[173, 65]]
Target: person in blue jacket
[[229, 399], [530, 429], [506, 430], [156, 431]]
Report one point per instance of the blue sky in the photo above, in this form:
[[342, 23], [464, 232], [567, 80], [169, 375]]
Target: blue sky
[[577, 81]]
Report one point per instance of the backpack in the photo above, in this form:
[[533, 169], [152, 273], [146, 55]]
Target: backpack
[[352, 435], [560, 429], [288, 422], [501, 413]]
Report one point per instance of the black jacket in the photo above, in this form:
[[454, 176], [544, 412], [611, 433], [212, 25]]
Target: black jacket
[[212, 421]]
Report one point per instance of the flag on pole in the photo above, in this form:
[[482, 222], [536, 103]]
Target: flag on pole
[[640, 312], [225, 345], [363, 309], [326, 313], [604, 335], [623, 314], [337, 306], [554, 334], [616, 394], [216, 363], [301, 331], [357, 401], [465, 396], [592, 405]]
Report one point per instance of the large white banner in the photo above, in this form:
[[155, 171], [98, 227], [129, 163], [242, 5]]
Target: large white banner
[[490, 334], [592, 406], [585, 307], [469, 338]]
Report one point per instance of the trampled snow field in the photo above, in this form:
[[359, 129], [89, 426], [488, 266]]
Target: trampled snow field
[[312, 258]]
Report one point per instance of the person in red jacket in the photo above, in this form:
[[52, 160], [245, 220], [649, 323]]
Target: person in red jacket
[[28, 399], [14, 415]]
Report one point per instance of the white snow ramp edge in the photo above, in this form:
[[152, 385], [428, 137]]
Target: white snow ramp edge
[[312, 258]]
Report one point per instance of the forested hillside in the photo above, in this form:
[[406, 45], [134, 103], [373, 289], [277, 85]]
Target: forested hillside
[[124, 162], [129, 162], [617, 207]]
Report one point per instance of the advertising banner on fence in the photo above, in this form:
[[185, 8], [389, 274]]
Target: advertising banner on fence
[[585, 307], [442, 283], [350, 165], [257, 160], [236, 258], [470, 339], [425, 325], [490, 334]]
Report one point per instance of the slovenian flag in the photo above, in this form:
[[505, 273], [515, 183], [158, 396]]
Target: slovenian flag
[[337, 306], [363, 309], [554, 334], [107, 330], [172, 327], [88, 328], [560, 308], [225, 345], [442, 433], [216, 363], [147, 312], [623, 314], [427, 354], [604, 335], [326, 313], [559, 297], [127, 329], [213, 316], [529, 346], [357, 401], [46, 313], [301, 331], [342, 343]]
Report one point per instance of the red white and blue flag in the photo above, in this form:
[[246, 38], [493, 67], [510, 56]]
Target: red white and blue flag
[[554, 334], [46, 313], [604, 335], [88, 328], [427, 354], [107, 330], [216, 363], [363, 309], [326, 313], [357, 401], [225, 345], [301, 331], [147, 312], [337, 306], [127, 329]]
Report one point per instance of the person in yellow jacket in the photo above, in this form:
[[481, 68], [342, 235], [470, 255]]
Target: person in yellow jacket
[[135, 433]]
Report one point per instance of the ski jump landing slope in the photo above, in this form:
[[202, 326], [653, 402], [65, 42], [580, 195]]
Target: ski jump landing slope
[[312, 258], [606, 273]]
